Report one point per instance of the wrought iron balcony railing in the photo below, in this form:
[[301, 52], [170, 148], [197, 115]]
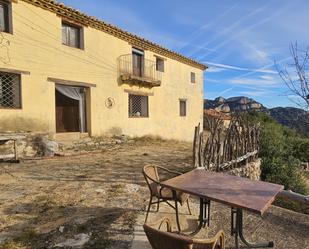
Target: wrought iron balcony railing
[[138, 71]]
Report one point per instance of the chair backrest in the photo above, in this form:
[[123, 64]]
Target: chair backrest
[[151, 172], [166, 240]]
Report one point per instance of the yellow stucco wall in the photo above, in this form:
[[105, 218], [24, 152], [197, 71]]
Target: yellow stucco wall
[[35, 46]]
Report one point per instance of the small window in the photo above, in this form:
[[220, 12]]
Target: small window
[[5, 14], [71, 35], [183, 108], [192, 77], [159, 64], [10, 97], [138, 106]]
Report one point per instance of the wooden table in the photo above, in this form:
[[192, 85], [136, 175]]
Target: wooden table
[[237, 192]]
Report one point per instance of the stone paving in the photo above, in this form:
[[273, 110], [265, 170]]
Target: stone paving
[[96, 200]]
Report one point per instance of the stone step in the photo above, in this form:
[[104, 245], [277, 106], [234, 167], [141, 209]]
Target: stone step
[[69, 137]]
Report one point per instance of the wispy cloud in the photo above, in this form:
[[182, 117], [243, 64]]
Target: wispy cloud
[[255, 93], [201, 30], [230, 67], [254, 82], [230, 28], [212, 69], [225, 91], [244, 30], [266, 67]]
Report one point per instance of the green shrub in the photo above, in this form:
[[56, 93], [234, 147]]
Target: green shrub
[[281, 151]]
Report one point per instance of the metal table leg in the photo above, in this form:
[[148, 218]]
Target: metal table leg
[[237, 231], [204, 216], [176, 210]]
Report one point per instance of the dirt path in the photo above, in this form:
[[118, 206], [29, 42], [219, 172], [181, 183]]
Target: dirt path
[[47, 202]]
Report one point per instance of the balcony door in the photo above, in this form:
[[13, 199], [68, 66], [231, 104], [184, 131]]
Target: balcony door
[[138, 62]]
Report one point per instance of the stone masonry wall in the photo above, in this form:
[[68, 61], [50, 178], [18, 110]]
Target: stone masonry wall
[[29, 144], [252, 170], [32, 145]]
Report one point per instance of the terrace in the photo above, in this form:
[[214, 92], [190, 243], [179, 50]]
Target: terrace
[[98, 200]]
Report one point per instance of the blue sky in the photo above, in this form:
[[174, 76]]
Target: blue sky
[[239, 39]]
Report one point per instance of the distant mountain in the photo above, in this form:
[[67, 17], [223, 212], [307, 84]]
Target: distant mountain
[[289, 116], [234, 104]]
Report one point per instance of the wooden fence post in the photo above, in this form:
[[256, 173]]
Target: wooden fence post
[[196, 144], [201, 150]]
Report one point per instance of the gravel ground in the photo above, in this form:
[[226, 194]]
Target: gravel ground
[[91, 199], [96, 200]]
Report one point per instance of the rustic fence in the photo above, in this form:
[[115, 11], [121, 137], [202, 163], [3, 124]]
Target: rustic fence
[[218, 148]]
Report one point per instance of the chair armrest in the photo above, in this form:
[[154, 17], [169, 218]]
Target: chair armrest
[[204, 243], [161, 222], [147, 176], [157, 182], [168, 224], [170, 171]]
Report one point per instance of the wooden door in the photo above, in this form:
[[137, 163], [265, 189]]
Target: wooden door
[[138, 64], [67, 114]]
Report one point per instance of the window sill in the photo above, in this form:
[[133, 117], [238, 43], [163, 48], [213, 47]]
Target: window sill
[[8, 108], [6, 32], [137, 117], [78, 48]]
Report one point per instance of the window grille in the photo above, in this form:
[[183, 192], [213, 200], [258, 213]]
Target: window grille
[[183, 108], [192, 77], [138, 106], [10, 96], [160, 64]]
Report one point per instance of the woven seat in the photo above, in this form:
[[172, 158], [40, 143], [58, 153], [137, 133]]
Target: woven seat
[[162, 194], [168, 240], [167, 194]]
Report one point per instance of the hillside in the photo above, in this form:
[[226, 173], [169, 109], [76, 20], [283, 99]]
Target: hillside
[[289, 116], [292, 117]]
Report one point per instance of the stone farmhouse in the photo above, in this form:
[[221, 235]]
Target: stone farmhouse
[[62, 71]]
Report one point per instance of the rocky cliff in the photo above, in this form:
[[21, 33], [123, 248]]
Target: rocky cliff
[[234, 104]]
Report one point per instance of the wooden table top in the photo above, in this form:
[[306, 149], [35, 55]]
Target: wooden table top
[[238, 192]]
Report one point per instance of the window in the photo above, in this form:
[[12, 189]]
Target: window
[[5, 15], [183, 108], [192, 77], [72, 35], [159, 64], [138, 106], [10, 96]]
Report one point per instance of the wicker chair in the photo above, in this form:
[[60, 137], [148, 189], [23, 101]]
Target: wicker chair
[[169, 240], [162, 194]]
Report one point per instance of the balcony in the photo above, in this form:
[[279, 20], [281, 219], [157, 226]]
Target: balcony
[[133, 70]]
